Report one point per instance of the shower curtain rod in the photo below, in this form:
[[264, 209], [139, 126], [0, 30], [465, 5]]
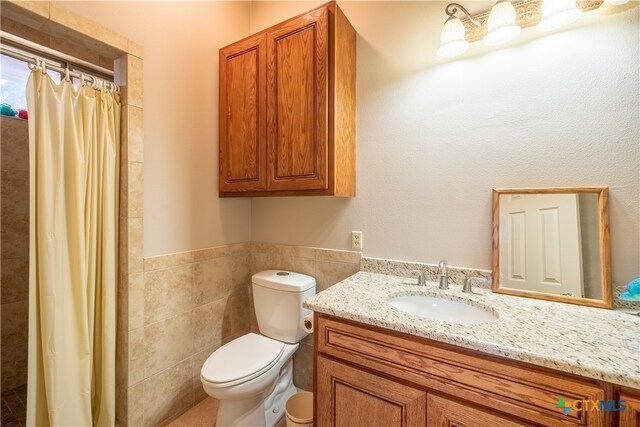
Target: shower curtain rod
[[35, 61]]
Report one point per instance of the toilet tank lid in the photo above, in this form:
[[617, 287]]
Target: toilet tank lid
[[284, 280]]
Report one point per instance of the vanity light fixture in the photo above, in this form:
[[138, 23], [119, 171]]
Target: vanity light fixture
[[557, 14], [501, 25], [452, 37], [506, 19]]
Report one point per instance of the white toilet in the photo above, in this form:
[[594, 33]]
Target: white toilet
[[252, 376]]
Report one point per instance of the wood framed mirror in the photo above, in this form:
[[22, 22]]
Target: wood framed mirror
[[553, 244]]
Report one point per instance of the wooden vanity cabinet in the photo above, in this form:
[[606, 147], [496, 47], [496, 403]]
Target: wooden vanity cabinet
[[287, 109], [368, 376]]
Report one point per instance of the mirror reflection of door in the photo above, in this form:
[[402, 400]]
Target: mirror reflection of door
[[541, 250]]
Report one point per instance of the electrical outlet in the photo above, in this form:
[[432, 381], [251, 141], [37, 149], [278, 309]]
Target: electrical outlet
[[356, 240]]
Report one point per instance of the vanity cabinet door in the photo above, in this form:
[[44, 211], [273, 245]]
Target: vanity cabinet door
[[351, 397], [243, 148], [297, 103], [630, 417], [442, 412]]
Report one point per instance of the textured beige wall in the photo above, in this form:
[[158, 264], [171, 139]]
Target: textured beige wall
[[15, 251], [181, 42], [434, 137]]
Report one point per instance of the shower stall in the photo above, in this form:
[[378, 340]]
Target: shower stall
[[64, 281]]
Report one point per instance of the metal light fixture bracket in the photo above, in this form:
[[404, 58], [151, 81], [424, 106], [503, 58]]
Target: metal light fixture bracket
[[452, 9]]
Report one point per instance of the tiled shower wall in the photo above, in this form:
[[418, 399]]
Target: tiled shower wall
[[193, 302], [15, 251]]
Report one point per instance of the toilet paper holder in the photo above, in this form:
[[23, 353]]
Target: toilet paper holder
[[307, 323]]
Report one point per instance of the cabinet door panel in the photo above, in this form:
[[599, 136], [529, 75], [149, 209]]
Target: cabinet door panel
[[350, 397], [630, 417], [243, 116], [442, 412], [297, 86]]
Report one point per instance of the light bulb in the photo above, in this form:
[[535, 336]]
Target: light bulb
[[501, 25], [557, 14], [452, 41], [618, 2]]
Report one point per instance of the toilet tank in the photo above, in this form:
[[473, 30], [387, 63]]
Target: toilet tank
[[277, 299]]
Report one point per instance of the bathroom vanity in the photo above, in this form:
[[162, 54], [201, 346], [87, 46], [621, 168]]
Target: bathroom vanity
[[376, 365]]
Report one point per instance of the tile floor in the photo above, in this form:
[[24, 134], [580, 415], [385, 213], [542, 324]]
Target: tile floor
[[14, 407], [14, 411], [201, 415], [204, 415]]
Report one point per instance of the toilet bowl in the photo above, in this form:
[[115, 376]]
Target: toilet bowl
[[252, 376]]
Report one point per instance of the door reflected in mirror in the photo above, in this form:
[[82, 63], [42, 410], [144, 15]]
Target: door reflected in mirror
[[552, 244]]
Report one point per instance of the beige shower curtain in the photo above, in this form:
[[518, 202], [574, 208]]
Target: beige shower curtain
[[74, 155]]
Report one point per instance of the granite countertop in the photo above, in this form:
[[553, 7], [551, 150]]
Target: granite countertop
[[590, 342]]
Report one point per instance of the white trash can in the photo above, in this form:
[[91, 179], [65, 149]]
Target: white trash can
[[299, 410]]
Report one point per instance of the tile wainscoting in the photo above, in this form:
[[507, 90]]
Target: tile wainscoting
[[189, 304], [194, 302]]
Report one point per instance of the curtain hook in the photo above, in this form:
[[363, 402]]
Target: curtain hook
[[82, 77], [34, 65], [66, 74]]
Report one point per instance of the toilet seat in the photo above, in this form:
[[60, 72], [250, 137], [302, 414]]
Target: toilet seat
[[241, 360]]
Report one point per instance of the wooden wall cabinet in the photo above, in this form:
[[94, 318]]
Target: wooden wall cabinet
[[367, 377], [287, 109]]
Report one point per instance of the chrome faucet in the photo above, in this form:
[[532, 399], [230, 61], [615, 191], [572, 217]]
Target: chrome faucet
[[466, 288], [442, 271], [421, 281]]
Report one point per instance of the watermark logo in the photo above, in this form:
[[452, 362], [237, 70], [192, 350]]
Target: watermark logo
[[591, 405], [563, 405]]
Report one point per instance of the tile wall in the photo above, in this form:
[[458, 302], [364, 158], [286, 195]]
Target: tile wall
[[14, 281], [129, 75], [191, 303], [188, 305]]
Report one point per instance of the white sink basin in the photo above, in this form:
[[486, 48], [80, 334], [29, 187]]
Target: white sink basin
[[442, 309]]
